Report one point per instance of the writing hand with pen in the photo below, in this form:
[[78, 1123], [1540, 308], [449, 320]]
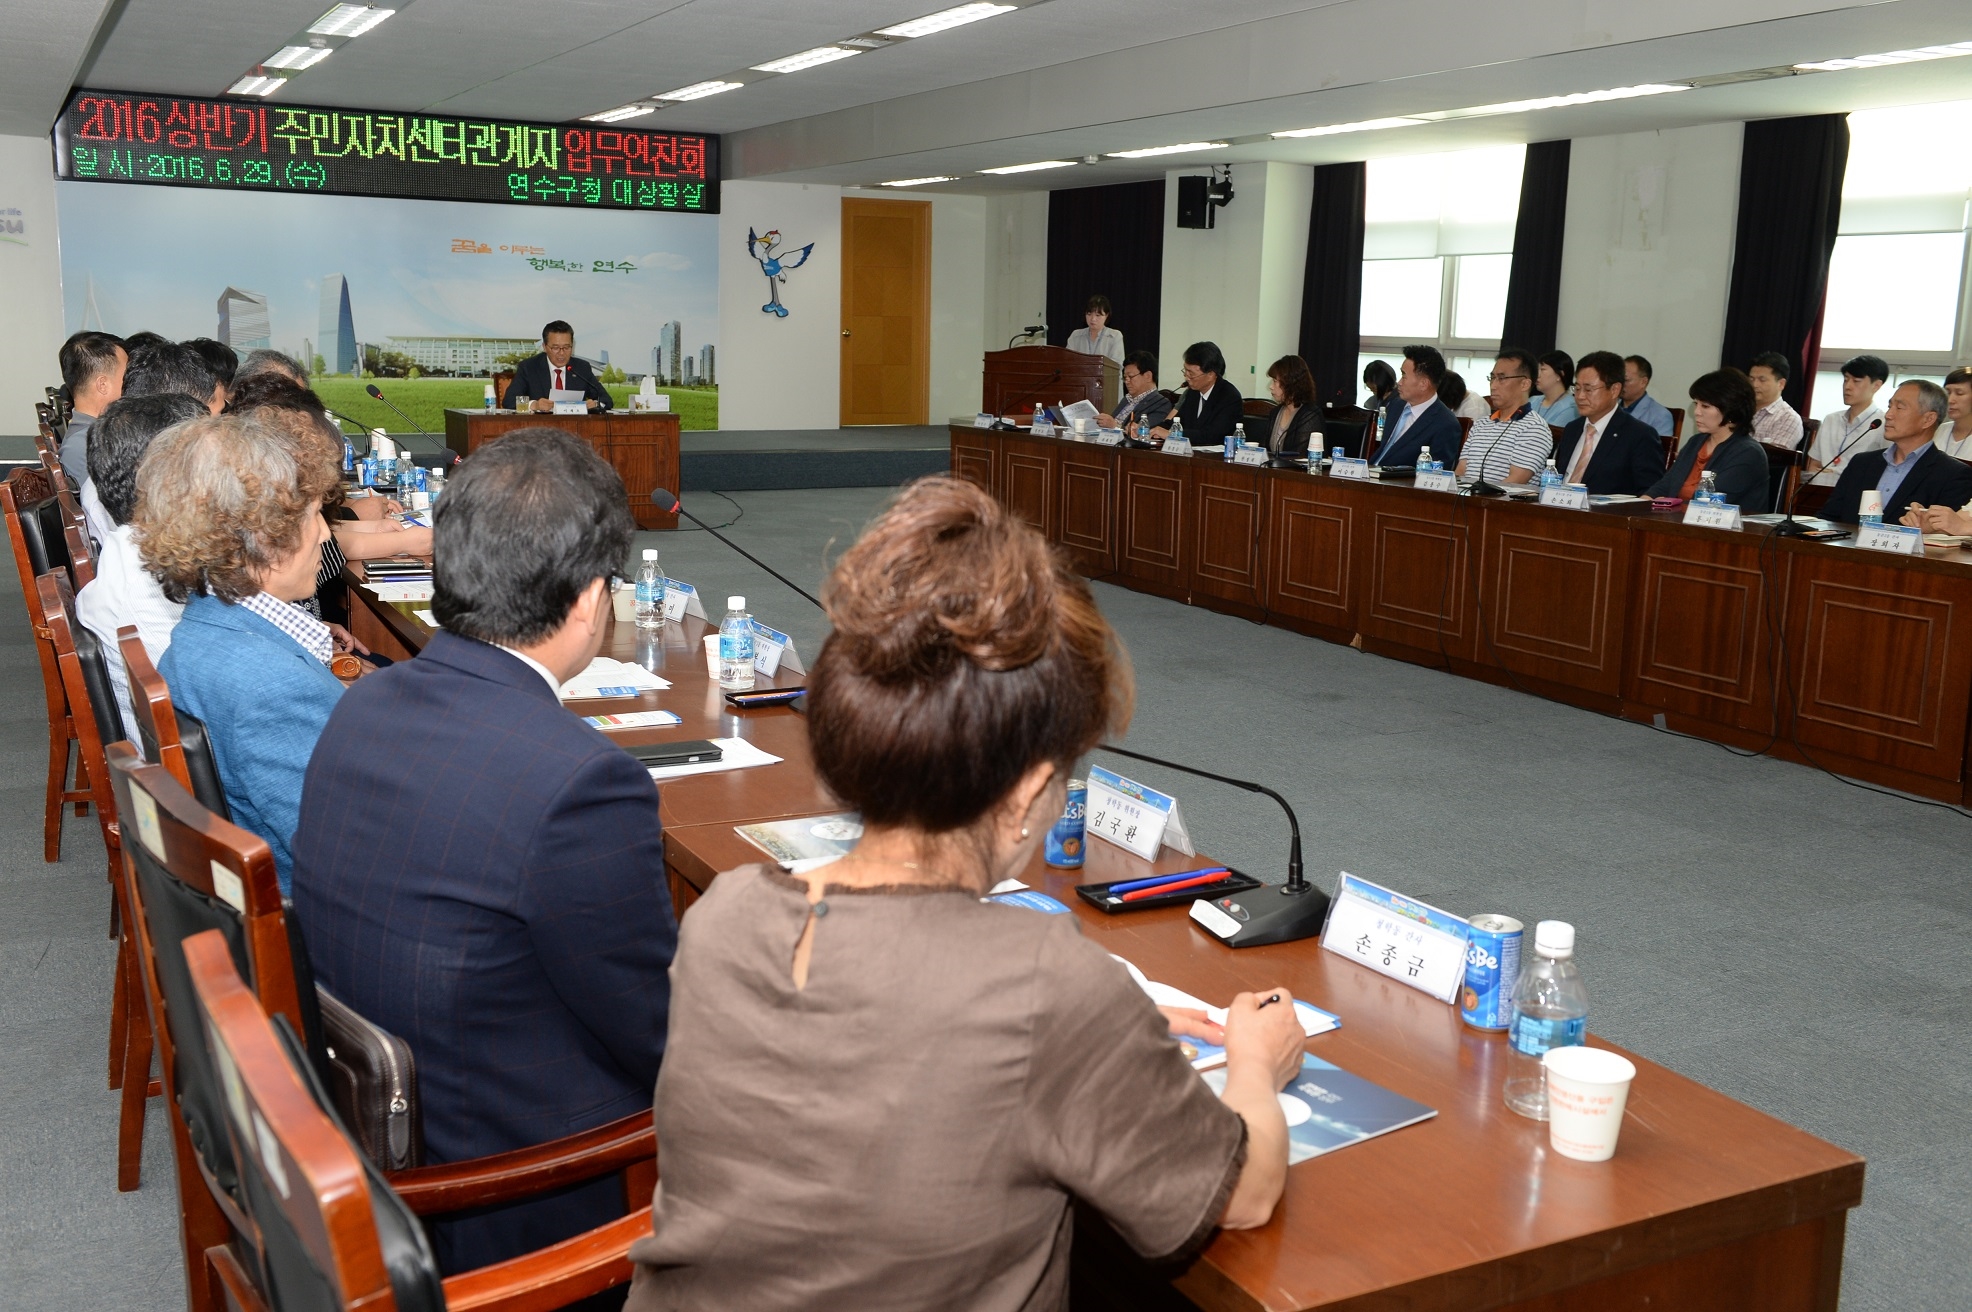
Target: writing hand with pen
[[1263, 1045]]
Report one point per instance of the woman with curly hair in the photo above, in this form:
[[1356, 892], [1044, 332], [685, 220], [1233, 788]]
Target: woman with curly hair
[[229, 519]]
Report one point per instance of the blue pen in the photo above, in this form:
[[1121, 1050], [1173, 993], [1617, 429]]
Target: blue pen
[[1135, 884]]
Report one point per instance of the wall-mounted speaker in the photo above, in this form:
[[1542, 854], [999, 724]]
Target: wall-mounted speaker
[[1194, 209]]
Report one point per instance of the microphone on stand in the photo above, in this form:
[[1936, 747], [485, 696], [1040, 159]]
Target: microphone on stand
[[376, 393], [666, 502], [1480, 487], [1274, 914], [1791, 527]]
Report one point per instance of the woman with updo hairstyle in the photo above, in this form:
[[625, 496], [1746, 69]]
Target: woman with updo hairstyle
[[879, 1091]]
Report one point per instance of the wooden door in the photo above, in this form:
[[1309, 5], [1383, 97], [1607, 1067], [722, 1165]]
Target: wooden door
[[886, 311]]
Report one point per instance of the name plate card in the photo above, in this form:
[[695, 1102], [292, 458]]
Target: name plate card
[[1412, 942], [1566, 496], [1890, 537], [1042, 428], [1138, 819], [1177, 446], [1710, 514], [1348, 468], [1250, 455], [1109, 437], [982, 420], [1437, 480], [773, 649], [680, 600]]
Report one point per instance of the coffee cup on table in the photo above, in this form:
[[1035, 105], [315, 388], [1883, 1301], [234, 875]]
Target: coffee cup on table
[[1587, 1089]]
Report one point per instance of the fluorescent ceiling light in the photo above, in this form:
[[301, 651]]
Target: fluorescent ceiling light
[[252, 85], [700, 90], [1184, 149], [946, 19], [1916, 56], [806, 59], [918, 182], [1558, 102], [1037, 164], [618, 115], [349, 20], [1337, 129], [297, 57]]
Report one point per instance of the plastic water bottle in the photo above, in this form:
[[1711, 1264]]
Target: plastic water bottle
[[1335, 458], [437, 487], [1424, 464], [490, 401], [1238, 438], [1550, 477], [736, 647], [1177, 430], [1040, 416], [1550, 1010], [1708, 487], [650, 592]]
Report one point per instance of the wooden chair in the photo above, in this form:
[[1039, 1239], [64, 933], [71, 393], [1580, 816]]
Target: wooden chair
[[170, 737], [333, 1233], [1464, 428], [1677, 423], [501, 381], [1258, 407], [22, 495]]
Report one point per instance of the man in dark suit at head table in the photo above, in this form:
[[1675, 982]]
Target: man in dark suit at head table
[[1414, 417], [481, 873], [1209, 407], [1911, 472], [556, 369], [1605, 446]]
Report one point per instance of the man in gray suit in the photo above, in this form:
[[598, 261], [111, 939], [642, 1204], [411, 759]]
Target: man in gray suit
[[1141, 399]]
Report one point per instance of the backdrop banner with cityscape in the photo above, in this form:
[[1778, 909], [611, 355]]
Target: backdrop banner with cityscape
[[437, 294]]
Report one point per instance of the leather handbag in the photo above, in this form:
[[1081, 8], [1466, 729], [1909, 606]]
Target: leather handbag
[[373, 1079]]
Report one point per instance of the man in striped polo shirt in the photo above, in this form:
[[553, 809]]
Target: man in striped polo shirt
[[1513, 443]]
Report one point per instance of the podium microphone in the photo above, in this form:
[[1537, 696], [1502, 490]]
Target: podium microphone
[[664, 501], [1792, 527], [376, 393], [1273, 914]]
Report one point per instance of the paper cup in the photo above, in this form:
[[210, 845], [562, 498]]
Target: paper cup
[[1586, 1090], [1872, 502], [712, 655], [624, 602]]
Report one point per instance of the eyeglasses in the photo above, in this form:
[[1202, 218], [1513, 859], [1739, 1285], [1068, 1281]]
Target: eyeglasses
[[1132, 377], [1501, 378], [1592, 387]]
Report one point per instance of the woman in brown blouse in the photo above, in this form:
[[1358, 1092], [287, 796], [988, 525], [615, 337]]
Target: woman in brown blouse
[[880, 1092]]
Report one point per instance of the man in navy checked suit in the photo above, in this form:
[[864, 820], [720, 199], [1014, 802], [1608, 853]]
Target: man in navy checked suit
[[481, 873]]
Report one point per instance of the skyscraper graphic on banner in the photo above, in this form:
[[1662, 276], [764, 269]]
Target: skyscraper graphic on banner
[[669, 352], [243, 321], [705, 365], [338, 327]]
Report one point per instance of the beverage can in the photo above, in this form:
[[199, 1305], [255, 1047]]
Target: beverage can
[[1492, 964], [1067, 842]]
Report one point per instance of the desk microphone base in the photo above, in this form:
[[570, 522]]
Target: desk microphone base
[[1790, 528], [1272, 914]]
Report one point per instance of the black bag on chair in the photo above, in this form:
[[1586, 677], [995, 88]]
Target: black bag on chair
[[373, 1079]]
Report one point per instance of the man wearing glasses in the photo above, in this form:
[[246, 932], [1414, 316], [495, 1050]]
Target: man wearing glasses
[[1512, 443], [1141, 399], [1210, 406], [1607, 447]]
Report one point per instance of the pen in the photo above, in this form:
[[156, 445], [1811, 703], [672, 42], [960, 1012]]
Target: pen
[[1268, 1001], [1131, 886], [1159, 890]]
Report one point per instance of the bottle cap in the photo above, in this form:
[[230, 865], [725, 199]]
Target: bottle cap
[[736, 603], [1554, 938], [650, 553]]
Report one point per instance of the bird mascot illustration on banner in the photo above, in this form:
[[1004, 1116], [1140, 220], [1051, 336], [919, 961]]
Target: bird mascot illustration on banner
[[762, 248]]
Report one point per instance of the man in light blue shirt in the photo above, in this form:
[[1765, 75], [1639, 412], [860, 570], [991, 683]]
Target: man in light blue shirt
[[1637, 399]]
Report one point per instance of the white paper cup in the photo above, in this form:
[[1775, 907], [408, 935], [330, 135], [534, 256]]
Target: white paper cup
[[1586, 1090], [1872, 502], [712, 654], [624, 602]]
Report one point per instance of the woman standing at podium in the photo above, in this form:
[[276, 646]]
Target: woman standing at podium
[[880, 1091], [1098, 338]]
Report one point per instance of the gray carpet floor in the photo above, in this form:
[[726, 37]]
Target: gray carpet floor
[[1793, 941]]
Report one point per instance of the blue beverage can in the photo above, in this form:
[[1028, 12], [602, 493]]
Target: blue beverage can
[[1492, 964], [1068, 842]]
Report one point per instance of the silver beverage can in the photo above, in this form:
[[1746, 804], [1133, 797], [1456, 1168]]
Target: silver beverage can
[[1492, 964], [1068, 843]]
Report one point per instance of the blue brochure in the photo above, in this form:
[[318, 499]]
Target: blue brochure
[[1328, 1108]]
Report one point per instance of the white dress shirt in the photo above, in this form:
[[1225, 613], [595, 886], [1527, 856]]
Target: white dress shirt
[[1836, 434], [1957, 447], [538, 668], [98, 520], [126, 593]]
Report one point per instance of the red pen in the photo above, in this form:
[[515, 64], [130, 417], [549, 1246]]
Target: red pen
[[1209, 877]]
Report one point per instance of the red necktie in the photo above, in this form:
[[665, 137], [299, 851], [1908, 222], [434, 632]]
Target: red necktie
[[561, 383]]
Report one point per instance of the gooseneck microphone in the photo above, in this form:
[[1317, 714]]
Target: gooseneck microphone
[[376, 394], [1791, 527], [666, 502], [1273, 914]]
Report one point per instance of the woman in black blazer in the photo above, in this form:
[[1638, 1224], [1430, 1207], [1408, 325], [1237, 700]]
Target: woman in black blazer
[[1298, 422], [1723, 446]]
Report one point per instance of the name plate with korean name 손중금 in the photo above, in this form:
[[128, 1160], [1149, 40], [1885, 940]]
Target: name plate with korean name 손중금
[[1348, 468], [1566, 496], [1890, 537], [1250, 455], [1436, 480], [1710, 514], [1412, 942], [1138, 819]]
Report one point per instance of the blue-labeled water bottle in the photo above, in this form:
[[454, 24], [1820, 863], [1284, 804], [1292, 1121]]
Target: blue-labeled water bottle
[[1550, 1010], [1550, 477], [1425, 464], [1335, 458], [650, 592], [1708, 488], [736, 647], [348, 455]]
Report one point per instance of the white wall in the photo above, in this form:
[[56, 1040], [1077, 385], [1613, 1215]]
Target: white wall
[[30, 280], [1016, 265], [1238, 284], [773, 372], [958, 303], [1646, 260]]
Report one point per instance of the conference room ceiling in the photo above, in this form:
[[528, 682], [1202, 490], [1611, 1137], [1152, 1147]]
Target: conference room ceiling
[[1059, 79]]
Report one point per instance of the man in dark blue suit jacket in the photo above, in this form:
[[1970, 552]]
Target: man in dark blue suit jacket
[[1430, 423], [1628, 455], [481, 873], [557, 367]]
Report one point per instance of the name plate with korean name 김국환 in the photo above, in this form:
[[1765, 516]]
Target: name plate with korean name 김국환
[[1566, 496], [1347, 468], [1890, 537], [1710, 514], [1138, 819], [1436, 480], [1412, 942]]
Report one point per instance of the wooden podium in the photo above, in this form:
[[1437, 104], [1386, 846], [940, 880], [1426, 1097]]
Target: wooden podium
[[1025, 376], [640, 445]]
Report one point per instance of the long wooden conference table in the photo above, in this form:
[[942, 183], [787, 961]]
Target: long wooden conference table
[[1708, 1203], [1814, 651]]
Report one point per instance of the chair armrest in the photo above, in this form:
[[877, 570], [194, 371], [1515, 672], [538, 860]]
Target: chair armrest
[[504, 1177], [553, 1277]]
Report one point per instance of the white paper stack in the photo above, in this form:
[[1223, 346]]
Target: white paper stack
[[612, 678]]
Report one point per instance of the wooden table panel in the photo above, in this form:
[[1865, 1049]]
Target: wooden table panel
[[1415, 584], [1555, 594], [1026, 481], [1703, 627], [972, 456], [1228, 518], [1087, 508], [1152, 521], [1310, 562], [641, 446]]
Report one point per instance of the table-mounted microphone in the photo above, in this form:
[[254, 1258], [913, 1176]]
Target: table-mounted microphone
[[1275, 913], [376, 394], [664, 501], [1791, 527]]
